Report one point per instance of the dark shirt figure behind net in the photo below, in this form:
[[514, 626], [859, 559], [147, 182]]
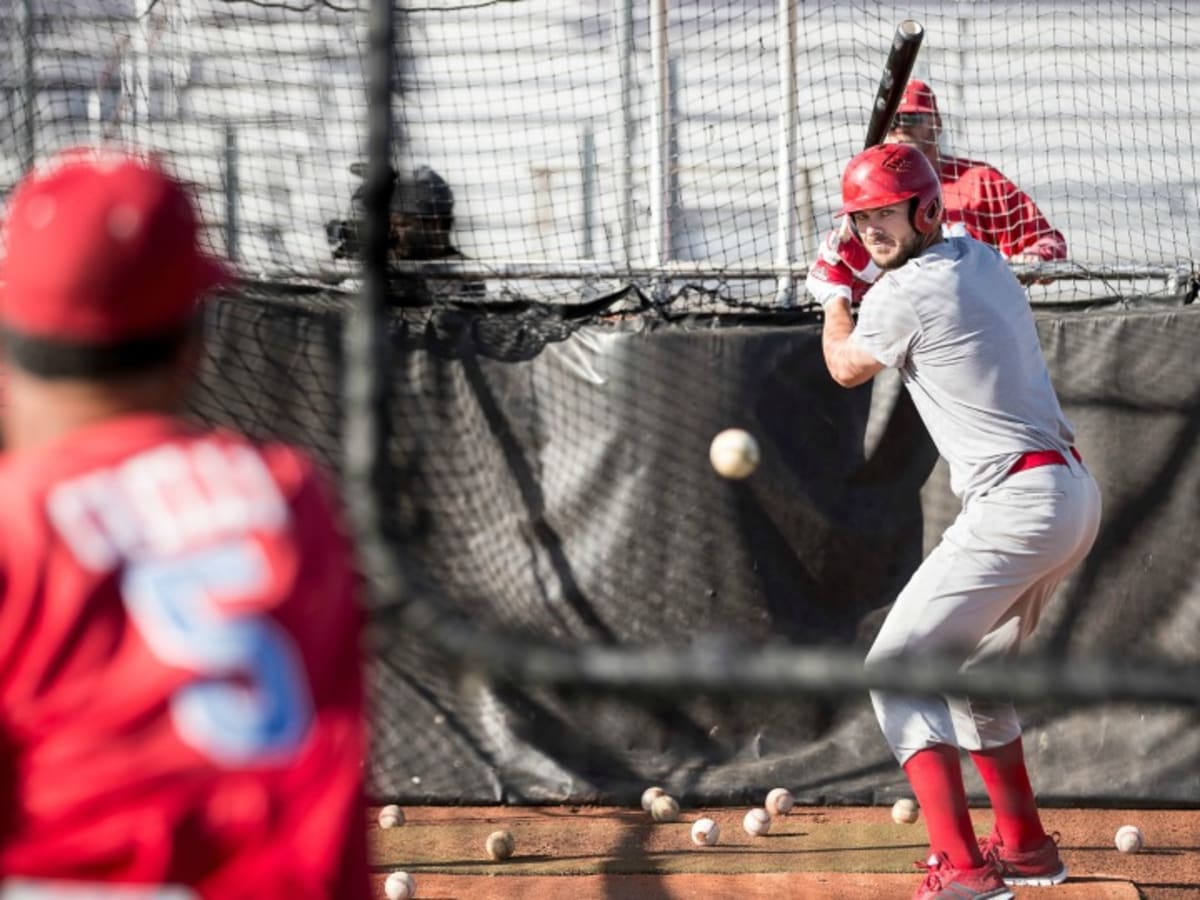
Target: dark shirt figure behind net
[[421, 219]]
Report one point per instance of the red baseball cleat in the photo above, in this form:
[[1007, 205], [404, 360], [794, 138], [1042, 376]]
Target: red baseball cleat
[[942, 882], [1041, 866]]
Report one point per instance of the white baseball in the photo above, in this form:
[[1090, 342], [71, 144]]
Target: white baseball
[[1129, 839], [399, 886], [391, 816], [757, 821], [705, 832], [779, 802], [648, 796], [665, 808], [734, 453], [905, 811], [500, 844]]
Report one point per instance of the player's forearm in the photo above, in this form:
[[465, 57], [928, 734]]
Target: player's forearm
[[835, 341]]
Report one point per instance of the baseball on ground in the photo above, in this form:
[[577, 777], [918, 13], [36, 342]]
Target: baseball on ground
[[779, 802], [705, 832], [734, 453], [391, 816], [904, 811], [664, 808], [500, 844], [399, 886], [648, 796], [1129, 839], [757, 821]]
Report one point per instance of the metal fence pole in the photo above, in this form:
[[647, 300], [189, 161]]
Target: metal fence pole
[[660, 162], [785, 220], [26, 25], [365, 337], [231, 192], [625, 50], [138, 72], [587, 162]]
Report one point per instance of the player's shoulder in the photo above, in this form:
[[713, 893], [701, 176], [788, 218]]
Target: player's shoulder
[[940, 261], [960, 168], [8, 466], [292, 467], [957, 251], [20, 485], [894, 289]]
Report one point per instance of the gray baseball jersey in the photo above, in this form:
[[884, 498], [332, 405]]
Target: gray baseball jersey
[[958, 326]]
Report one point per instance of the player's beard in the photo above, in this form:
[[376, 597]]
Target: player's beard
[[897, 253]]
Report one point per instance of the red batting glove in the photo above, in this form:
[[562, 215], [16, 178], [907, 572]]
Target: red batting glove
[[843, 268]]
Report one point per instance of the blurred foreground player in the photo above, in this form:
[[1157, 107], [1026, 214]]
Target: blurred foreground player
[[181, 709]]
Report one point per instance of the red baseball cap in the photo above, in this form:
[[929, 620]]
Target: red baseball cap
[[102, 246], [918, 98]]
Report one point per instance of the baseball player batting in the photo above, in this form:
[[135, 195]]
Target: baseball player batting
[[181, 710], [977, 200], [951, 317]]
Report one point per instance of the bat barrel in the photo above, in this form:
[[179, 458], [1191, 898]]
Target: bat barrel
[[899, 66]]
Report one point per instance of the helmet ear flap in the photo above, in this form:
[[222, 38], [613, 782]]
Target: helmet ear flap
[[930, 214]]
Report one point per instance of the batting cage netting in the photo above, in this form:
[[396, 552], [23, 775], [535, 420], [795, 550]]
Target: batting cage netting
[[509, 267], [611, 143]]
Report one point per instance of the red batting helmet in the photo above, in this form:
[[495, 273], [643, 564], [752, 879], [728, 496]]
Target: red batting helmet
[[890, 173]]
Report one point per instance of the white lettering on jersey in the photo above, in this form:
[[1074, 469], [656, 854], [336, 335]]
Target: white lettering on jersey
[[165, 501]]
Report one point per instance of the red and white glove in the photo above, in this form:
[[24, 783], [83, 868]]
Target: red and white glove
[[843, 268]]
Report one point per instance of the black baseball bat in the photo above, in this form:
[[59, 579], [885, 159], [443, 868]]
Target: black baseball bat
[[896, 72]]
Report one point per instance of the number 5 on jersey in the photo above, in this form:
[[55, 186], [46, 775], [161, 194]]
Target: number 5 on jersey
[[249, 702]]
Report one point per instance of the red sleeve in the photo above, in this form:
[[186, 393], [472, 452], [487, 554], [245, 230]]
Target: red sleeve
[[1011, 222]]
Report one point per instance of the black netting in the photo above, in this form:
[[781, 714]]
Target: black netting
[[576, 149], [550, 483]]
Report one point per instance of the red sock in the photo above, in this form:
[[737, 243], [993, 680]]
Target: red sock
[[1007, 781], [936, 779]]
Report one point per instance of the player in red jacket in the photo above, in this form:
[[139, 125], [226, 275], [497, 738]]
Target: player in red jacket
[[181, 706], [980, 201], [978, 197]]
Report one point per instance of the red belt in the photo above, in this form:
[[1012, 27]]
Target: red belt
[[1035, 458]]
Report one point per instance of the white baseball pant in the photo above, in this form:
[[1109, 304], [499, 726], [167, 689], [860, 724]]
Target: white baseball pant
[[980, 593]]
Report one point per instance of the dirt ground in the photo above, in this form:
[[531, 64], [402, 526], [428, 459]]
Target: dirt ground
[[815, 853]]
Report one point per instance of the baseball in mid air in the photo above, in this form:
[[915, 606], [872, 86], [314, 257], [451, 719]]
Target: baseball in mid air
[[705, 832], [779, 802], [1129, 839], [904, 811], [399, 886], [734, 453], [757, 821]]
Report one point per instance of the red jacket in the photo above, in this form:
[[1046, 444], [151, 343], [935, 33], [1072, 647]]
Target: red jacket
[[996, 211]]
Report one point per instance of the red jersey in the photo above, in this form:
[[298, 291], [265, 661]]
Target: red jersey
[[180, 676], [994, 210]]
